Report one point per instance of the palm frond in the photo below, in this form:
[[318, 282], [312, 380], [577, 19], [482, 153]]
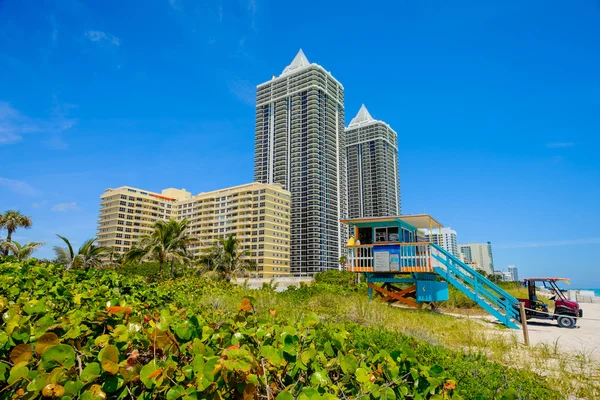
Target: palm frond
[[70, 248]]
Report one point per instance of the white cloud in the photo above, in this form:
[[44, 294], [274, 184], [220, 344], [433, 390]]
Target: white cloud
[[64, 207], [559, 145], [99, 36], [39, 204], [18, 187], [14, 124], [551, 243]]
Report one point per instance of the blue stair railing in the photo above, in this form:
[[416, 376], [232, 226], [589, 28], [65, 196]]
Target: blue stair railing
[[475, 286]]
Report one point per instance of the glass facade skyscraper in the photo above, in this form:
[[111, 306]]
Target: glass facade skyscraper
[[300, 144], [372, 153]]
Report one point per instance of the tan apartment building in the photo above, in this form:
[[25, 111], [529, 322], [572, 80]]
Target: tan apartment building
[[257, 214]]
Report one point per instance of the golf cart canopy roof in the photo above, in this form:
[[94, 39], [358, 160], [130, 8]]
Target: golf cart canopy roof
[[547, 279]]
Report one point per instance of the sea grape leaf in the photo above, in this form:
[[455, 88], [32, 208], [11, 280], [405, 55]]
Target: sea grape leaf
[[17, 372], [284, 396], [37, 383], [362, 375], [46, 341], [95, 392], [348, 363], [149, 373], [4, 368], [60, 355], [90, 372], [21, 353], [271, 354], [319, 378], [175, 392], [184, 330], [109, 359], [113, 383], [387, 393]]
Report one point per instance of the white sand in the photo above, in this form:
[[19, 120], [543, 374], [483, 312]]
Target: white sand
[[584, 338]]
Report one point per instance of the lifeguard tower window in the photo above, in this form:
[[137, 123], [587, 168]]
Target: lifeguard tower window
[[389, 234], [365, 235]]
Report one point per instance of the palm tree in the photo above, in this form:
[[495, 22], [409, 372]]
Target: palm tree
[[21, 252], [114, 258], [11, 220], [167, 244], [88, 256], [227, 259]]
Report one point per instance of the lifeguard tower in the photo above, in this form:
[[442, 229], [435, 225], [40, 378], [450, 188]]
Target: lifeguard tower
[[401, 266]]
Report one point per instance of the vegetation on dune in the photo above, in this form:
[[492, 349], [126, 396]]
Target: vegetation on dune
[[96, 333], [106, 325]]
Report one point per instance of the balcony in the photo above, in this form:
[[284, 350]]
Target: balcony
[[390, 258]]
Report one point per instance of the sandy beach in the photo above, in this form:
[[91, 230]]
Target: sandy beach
[[584, 338]]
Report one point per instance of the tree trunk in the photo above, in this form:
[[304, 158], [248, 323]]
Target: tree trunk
[[172, 269], [8, 239]]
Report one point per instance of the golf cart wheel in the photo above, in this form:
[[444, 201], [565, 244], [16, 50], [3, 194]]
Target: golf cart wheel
[[566, 321]]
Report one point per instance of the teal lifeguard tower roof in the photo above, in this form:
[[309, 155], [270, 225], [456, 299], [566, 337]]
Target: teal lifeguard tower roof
[[415, 221]]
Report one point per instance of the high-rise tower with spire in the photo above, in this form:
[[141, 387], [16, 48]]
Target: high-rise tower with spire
[[373, 179], [300, 144]]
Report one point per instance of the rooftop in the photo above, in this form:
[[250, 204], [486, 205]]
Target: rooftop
[[363, 117], [419, 221], [299, 63]]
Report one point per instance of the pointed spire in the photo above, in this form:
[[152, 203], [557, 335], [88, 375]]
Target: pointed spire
[[299, 61], [362, 117]]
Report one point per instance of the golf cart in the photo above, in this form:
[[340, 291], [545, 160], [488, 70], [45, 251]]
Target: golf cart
[[565, 312]]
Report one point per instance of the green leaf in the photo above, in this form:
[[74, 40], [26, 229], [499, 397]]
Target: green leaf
[[348, 363], [73, 387], [362, 375], [329, 350], [184, 331], [90, 372], [284, 396], [37, 383], [17, 372], [271, 354], [311, 319], [387, 393], [4, 368], [60, 355], [175, 392], [150, 373], [509, 394], [436, 370], [319, 378], [113, 383], [109, 359]]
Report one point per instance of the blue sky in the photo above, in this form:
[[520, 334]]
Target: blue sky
[[497, 106]]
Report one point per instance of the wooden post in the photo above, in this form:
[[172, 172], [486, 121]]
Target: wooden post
[[524, 323]]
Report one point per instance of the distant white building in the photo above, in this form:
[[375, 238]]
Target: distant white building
[[514, 273], [445, 238], [478, 255], [503, 275]]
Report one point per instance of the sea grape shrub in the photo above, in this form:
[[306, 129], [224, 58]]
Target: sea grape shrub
[[98, 334]]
